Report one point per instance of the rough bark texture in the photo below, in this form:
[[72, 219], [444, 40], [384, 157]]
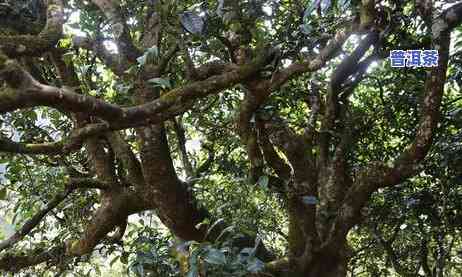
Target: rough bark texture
[[323, 196]]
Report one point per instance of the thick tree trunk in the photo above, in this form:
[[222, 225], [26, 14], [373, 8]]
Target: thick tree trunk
[[322, 264], [328, 266]]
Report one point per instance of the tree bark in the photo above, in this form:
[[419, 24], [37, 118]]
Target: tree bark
[[334, 265]]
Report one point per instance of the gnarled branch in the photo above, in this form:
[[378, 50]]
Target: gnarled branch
[[14, 263], [27, 92], [378, 175], [74, 183], [65, 146]]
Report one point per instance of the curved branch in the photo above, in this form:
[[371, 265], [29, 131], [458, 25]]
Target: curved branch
[[65, 146], [297, 151], [273, 159], [406, 165], [87, 183], [74, 183], [109, 215], [27, 92], [124, 152], [9, 146], [14, 263], [113, 212], [348, 67], [378, 175], [34, 221], [327, 53], [181, 99]]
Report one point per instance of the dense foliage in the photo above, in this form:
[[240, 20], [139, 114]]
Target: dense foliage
[[229, 138]]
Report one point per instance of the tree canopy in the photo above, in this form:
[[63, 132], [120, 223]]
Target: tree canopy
[[229, 138]]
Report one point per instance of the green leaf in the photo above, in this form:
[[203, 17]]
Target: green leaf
[[149, 56], [142, 60], [160, 82], [263, 181], [192, 23], [215, 256], [153, 52]]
